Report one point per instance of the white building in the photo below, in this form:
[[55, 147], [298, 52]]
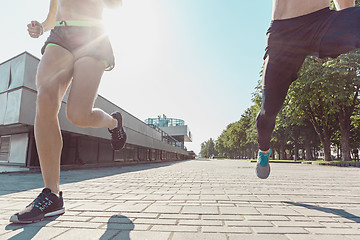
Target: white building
[[81, 145]]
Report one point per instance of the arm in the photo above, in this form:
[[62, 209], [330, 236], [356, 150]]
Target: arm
[[49, 23], [36, 29], [342, 4]]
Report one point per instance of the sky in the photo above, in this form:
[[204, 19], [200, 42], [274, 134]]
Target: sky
[[197, 60]]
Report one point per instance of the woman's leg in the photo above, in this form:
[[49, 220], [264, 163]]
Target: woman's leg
[[86, 78], [53, 77]]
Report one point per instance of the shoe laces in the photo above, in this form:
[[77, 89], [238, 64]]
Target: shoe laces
[[264, 158], [117, 133], [41, 202]]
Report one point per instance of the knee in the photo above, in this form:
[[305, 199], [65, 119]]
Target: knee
[[47, 104], [265, 119], [77, 117]]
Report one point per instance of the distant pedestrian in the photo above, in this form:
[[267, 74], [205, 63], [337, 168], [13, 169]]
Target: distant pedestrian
[[356, 154]]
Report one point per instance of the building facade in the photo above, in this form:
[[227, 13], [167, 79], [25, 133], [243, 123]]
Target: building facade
[[81, 145], [174, 127]]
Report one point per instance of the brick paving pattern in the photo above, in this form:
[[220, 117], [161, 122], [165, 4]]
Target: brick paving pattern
[[197, 199]]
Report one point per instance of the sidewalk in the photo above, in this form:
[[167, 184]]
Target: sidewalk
[[197, 199]]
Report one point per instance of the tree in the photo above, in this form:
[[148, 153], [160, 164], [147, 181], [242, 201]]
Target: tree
[[355, 128], [228, 143], [251, 144], [208, 148], [310, 97], [282, 131], [239, 139], [343, 73], [327, 92]]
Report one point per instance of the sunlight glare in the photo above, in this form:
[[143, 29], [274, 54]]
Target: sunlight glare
[[134, 31]]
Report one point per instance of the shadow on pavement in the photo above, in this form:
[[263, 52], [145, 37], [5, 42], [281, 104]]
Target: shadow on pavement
[[116, 223], [29, 230], [335, 211], [18, 182]]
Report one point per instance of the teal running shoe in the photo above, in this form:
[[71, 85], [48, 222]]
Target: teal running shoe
[[262, 165]]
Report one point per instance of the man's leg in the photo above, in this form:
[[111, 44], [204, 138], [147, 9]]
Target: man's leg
[[53, 77], [280, 70], [276, 81]]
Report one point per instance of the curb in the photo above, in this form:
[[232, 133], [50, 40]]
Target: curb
[[275, 161], [356, 165]]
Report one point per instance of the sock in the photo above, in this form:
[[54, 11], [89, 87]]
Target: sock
[[117, 124], [56, 194]]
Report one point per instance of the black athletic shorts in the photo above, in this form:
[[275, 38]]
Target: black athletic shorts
[[324, 33], [82, 41]]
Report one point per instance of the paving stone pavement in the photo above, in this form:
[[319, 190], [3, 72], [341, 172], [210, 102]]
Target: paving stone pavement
[[195, 199]]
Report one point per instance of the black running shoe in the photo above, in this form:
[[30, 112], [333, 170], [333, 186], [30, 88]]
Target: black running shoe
[[46, 204], [118, 135]]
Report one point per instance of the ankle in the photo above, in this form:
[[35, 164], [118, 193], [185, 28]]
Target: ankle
[[267, 151], [56, 194], [54, 190], [114, 124]]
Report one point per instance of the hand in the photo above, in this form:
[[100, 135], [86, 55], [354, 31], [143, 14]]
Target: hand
[[35, 29]]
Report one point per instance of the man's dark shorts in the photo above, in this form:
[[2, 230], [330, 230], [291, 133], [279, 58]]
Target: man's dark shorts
[[83, 41], [324, 33]]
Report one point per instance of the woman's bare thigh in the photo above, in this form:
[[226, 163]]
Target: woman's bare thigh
[[55, 71], [86, 79]]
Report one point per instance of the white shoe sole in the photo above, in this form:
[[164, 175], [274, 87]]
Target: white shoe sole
[[55, 213], [14, 218]]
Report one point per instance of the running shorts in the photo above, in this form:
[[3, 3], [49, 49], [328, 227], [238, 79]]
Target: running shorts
[[82, 38]]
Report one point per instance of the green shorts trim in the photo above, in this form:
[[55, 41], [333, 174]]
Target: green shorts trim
[[52, 44], [79, 23]]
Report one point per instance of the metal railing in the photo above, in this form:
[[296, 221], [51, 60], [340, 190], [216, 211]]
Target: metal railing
[[166, 137]]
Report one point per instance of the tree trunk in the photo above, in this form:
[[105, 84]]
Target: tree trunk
[[345, 126], [303, 152], [325, 140], [324, 136], [282, 151], [296, 141], [308, 155], [326, 144], [307, 147], [273, 153]]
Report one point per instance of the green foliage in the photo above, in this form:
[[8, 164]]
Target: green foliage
[[238, 140], [324, 89], [332, 5], [326, 93], [208, 149], [355, 128]]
